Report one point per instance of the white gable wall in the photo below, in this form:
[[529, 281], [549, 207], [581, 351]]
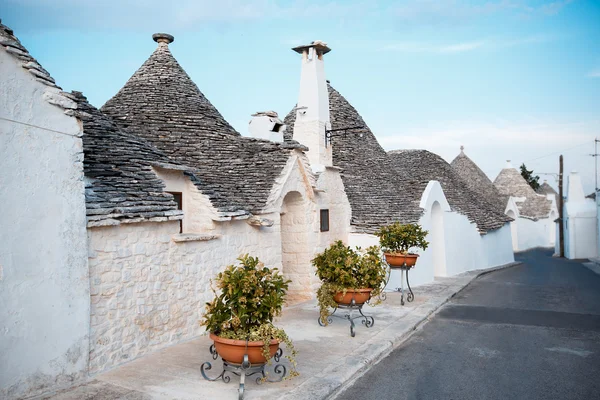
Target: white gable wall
[[463, 248], [44, 289]]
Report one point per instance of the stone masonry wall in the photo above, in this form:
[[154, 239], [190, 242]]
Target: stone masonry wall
[[148, 291]]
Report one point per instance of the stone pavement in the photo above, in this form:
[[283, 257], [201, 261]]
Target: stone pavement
[[328, 358]]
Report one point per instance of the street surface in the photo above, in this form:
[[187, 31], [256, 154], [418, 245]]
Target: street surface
[[527, 332]]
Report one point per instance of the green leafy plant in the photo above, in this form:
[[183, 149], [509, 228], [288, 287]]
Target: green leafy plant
[[341, 268], [399, 238], [251, 295]]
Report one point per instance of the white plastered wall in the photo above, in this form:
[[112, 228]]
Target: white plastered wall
[[148, 290], [528, 233], [44, 290], [463, 248]]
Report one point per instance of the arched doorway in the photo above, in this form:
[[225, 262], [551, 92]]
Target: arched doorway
[[438, 244], [513, 230], [295, 251]]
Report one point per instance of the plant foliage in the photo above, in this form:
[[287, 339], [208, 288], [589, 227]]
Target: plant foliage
[[532, 180], [340, 268], [399, 238], [251, 295]]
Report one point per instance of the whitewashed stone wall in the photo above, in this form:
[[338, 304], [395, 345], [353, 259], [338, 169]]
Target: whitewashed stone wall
[[44, 291], [148, 291], [148, 288]]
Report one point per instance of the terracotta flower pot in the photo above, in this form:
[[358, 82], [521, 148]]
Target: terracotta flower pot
[[232, 350], [360, 296], [398, 260]]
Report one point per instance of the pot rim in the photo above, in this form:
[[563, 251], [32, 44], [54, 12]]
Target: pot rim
[[364, 290], [401, 254], [239, 342]]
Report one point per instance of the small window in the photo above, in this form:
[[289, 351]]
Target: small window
[[276, 127], [324, 220], [178, 198]]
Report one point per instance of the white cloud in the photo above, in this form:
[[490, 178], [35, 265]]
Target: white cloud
[[594, 73], [180, 15], [461, 47], [454, 12]]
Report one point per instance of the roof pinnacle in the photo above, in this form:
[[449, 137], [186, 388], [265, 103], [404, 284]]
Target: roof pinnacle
[[163, 38], [462, 148]]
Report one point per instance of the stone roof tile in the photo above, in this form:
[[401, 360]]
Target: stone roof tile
[[425, 166], [11, 44], [509, 182], [120, 184], [477, 181]]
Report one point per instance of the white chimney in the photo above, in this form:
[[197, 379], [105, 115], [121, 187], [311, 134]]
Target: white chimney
[[266, 125], [312, 111]]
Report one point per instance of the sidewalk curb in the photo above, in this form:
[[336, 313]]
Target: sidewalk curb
[[336, 378], [593, 265]]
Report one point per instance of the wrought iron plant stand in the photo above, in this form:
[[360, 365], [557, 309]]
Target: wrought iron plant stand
[[244, 369], [366, 320], [410, 296]]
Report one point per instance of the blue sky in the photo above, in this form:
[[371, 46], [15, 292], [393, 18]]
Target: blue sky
[[515, 80]]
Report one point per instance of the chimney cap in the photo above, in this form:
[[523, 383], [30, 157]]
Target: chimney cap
[[163, 38], [317, 44]]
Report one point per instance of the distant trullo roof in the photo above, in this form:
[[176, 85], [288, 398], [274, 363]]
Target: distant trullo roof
[[378, 192], [478, 181], [426, 166], [546, 189], [161, 104], [509, 182]]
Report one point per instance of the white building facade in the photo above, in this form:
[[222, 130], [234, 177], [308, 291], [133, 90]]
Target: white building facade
[[580, 227]]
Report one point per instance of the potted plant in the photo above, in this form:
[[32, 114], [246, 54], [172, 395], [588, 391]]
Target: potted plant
[[398, 239], [348, 275], [240, 318]]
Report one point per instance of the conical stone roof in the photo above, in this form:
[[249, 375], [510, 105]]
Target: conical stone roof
[[425, 166], [382, 188], [546, 189], [161, 104], [509, 182], [477, 181]]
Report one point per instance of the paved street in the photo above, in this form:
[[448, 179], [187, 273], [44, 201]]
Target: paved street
[[527, 332]]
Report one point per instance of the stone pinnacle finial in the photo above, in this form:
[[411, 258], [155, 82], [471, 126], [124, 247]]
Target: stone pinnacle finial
[[163, 38], [462, 148]]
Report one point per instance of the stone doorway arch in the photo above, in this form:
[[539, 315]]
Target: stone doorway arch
[[513, 230], [295, 250], [438, 244]]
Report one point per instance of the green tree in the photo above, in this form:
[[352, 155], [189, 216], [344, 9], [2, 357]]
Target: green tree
[[531, 179]]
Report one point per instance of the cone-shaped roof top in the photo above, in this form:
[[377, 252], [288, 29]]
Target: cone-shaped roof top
[[161, 104], [509, 182], [477, 181], [381, 187]]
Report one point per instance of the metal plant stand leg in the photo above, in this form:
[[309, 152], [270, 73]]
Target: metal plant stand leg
[[244, 369], [366, 320], [410, 296]]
